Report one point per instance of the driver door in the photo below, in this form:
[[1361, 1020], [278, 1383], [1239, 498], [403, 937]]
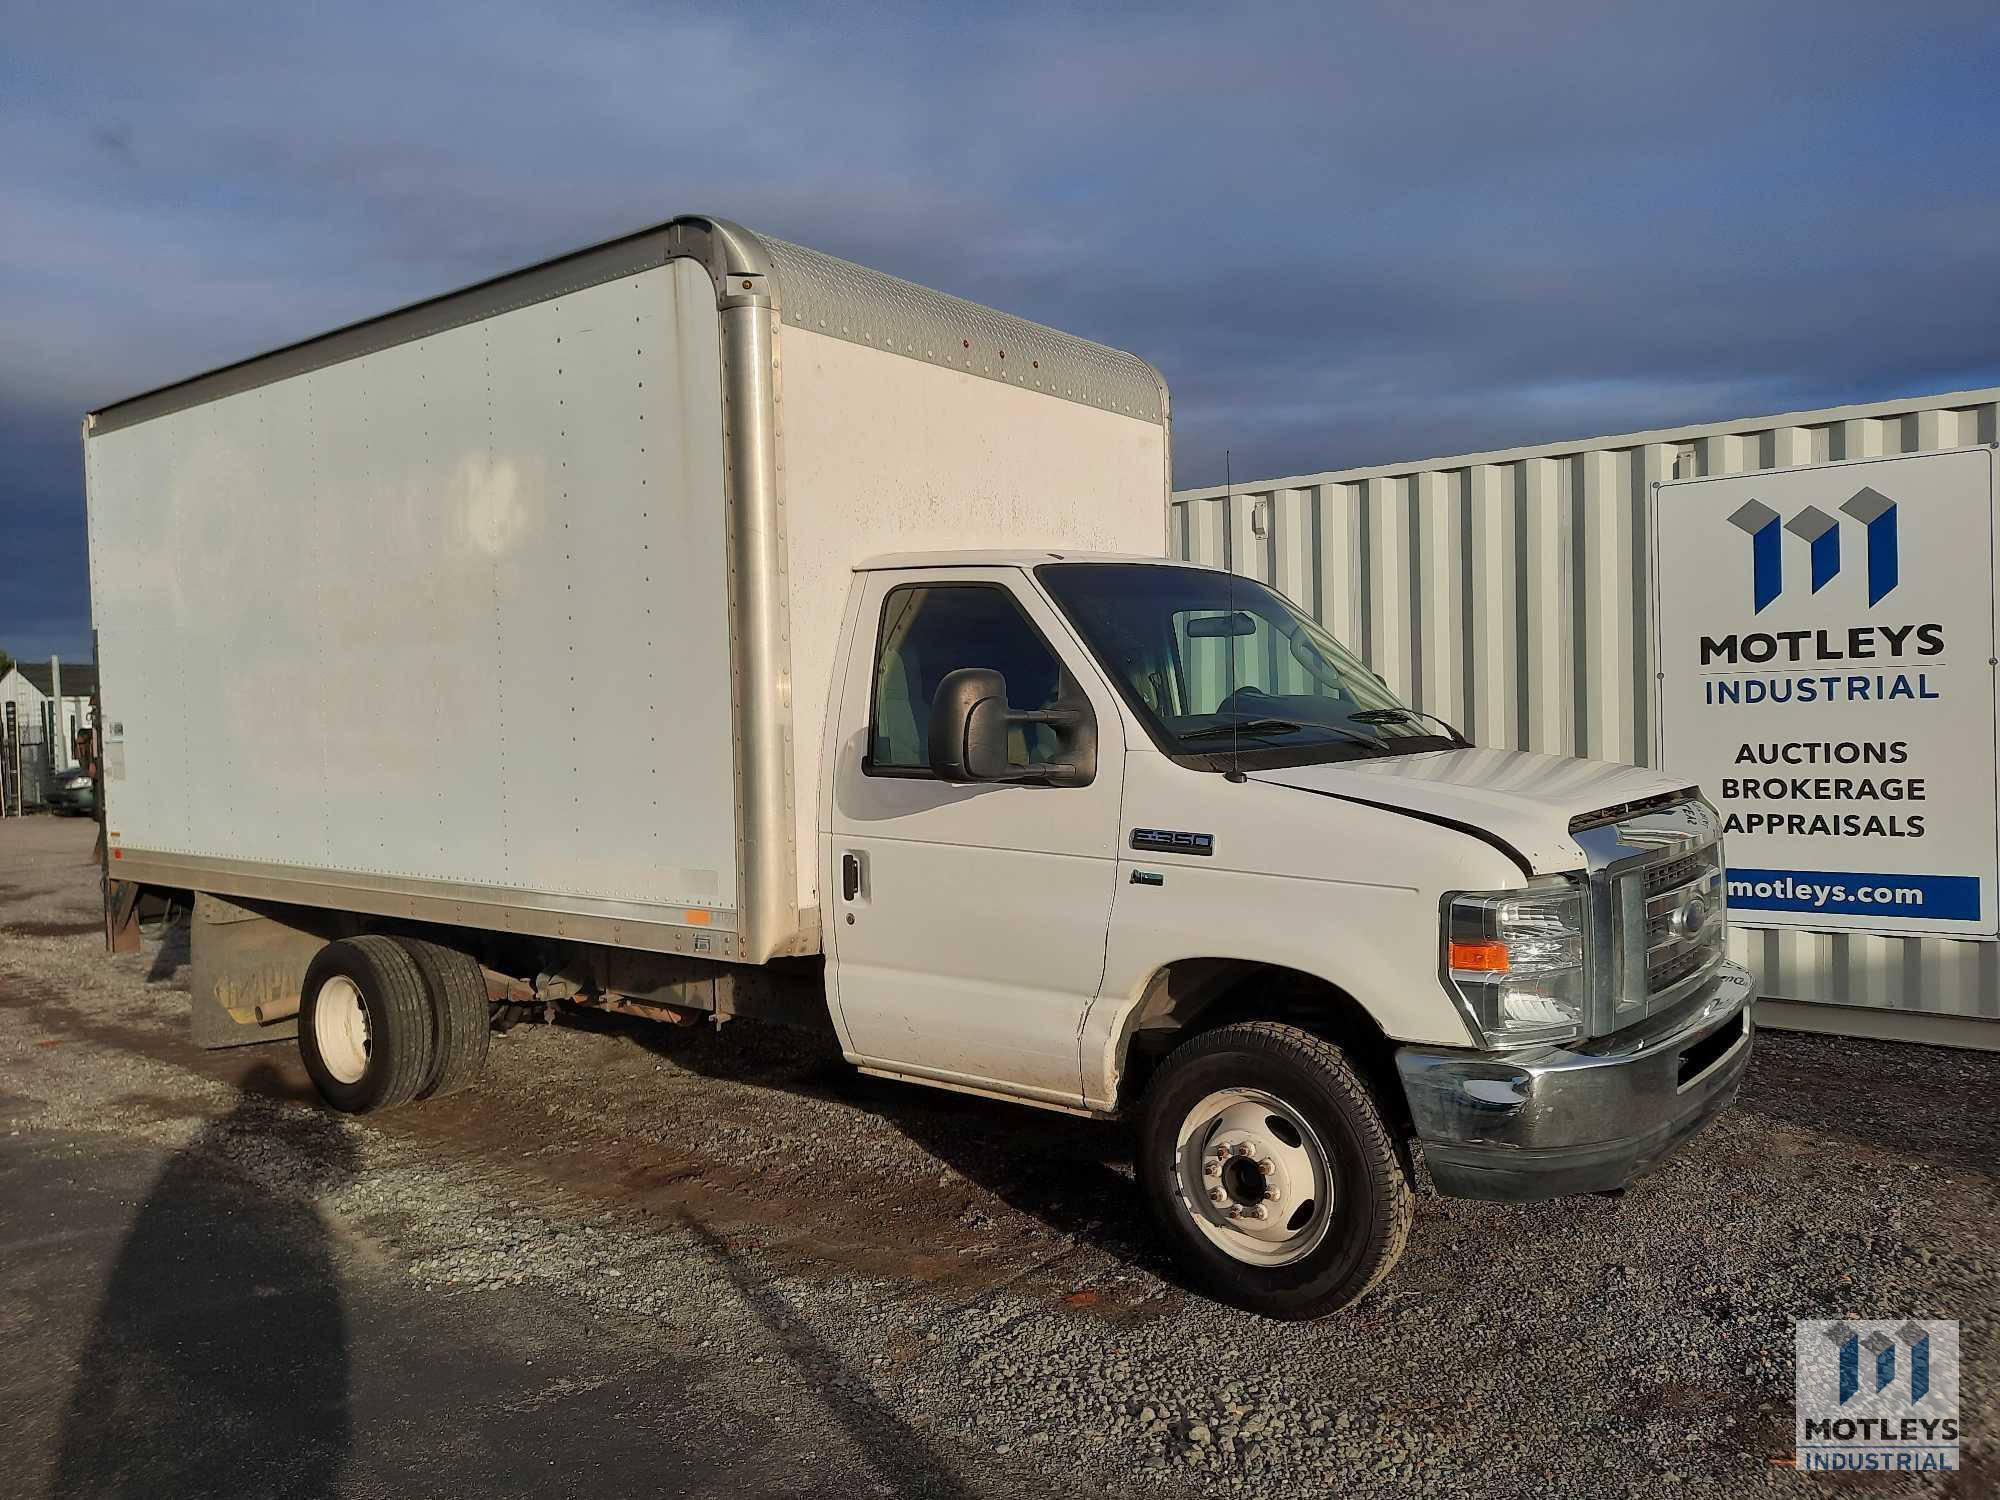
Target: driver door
[[968, 922]]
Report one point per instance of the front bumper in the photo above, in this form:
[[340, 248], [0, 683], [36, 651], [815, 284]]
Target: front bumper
[[1556, 1121]]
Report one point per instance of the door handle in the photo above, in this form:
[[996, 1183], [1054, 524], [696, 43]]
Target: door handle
[[850, 876]]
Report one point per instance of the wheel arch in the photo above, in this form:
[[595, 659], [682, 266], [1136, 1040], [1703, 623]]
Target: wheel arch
[[1188, 996]]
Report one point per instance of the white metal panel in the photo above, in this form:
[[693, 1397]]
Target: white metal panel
[[1287, 544], [1550, 613], [454, 610], [884, 453], [1385, 522], [1441, 542], [1495, 591]]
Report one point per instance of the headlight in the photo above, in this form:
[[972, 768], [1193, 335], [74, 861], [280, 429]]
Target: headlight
[[1515, 960]]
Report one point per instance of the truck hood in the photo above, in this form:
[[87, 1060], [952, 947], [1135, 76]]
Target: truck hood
[[1522, 800]]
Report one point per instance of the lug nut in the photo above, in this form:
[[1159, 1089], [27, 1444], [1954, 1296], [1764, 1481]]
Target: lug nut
[[1259, 1212], [1222, 1153], [1267, 1166], [1242, 1148], [1216, 1195], [1235, 1210], [1211, 1168], [1272, 1195]]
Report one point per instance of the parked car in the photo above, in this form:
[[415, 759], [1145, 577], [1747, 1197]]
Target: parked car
[[73, 791]]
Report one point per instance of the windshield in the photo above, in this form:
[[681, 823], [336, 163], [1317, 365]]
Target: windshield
[[1213, 663]]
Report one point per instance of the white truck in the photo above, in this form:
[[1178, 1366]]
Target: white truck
[[701, 625]]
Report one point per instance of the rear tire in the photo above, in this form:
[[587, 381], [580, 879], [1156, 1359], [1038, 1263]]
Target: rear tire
[[460, 1018], [1268, 1168], [365, 1025]]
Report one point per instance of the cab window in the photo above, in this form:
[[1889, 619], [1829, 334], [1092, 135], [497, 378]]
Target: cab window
[[929, 630]]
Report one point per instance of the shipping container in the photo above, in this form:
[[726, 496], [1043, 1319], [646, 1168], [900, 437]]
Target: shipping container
[[1508, 592]]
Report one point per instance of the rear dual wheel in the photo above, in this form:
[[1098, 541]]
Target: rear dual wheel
[[384, 1020], [461, 1020]]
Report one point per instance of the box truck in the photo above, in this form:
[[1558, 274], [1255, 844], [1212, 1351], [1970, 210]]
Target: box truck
[[698, 625]]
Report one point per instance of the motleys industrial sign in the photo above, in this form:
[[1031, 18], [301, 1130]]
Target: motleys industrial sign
[[1825, 645], [1876, 1396]]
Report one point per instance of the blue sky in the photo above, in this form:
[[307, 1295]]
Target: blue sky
[[1346, 233]]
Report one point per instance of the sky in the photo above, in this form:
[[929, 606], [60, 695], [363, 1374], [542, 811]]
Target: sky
[[1346, 234]]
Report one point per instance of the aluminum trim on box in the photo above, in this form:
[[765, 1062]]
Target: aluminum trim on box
[[864, 306], [659, 929]]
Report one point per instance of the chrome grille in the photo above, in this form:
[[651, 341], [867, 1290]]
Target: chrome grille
[[1674, 873], [1684, 921], [1657, 926]]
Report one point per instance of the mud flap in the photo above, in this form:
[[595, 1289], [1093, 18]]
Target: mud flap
[[121, 915], [241, 959]]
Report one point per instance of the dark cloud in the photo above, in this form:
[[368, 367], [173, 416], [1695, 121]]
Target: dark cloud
[[1347, 234], [114, 141]]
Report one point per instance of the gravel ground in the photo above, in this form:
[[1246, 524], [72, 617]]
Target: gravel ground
[[964, 1298]]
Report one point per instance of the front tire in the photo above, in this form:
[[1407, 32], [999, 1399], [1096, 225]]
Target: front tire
[[365, 1030], [1270, 1172]]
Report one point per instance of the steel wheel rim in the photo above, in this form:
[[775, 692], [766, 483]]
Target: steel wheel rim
[[340, 1029], [1242, 1151]]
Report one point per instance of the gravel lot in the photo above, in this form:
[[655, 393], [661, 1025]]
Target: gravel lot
[[729, 1241]]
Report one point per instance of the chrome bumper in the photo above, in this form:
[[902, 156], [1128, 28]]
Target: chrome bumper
[[1555, 1121]]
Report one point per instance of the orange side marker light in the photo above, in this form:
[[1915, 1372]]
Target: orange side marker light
[[1485, 955]]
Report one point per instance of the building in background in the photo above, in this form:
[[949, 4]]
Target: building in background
[[1512, 593], [30, 688]]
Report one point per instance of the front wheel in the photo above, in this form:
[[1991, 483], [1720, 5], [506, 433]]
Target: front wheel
[[1268, 1168]]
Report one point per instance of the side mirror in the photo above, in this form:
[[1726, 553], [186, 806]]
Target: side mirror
[[968, 730], [968, 734]]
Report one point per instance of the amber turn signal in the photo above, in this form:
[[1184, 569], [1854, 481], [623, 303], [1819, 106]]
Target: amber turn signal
[[1485, 955]]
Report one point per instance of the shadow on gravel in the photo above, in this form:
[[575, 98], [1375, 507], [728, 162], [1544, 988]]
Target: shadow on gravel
[[174, 953], [218, 1362], [889, 1442], [50, 929], [1070, 1174]]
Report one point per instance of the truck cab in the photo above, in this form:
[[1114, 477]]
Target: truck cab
[[1119, 835]]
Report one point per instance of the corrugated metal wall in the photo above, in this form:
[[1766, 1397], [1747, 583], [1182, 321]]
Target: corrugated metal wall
[[1508, 592]]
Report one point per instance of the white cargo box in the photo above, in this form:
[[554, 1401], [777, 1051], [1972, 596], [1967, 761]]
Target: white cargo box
[[516, 608]]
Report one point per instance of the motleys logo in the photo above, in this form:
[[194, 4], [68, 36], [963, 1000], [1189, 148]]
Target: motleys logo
[[1881, 1350], [1877, 1394], [1820, 532]]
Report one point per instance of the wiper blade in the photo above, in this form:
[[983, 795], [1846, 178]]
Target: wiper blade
[[1244, 726], [1259, 728], [1407, 716]]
